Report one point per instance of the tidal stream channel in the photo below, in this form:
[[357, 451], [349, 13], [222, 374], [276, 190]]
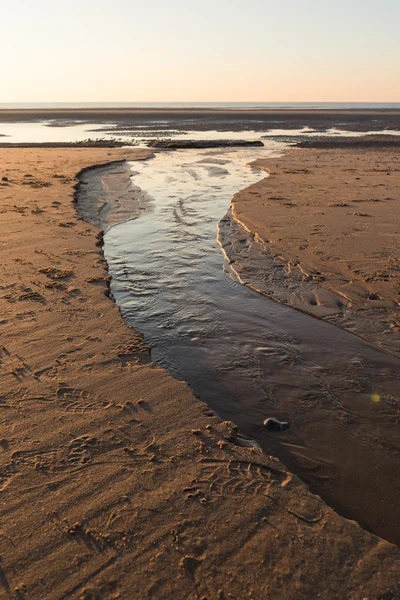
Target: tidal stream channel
[[247, 357]]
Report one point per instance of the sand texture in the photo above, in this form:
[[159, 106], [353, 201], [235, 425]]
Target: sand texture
[[115, 482], [98, 185], [321, 234]]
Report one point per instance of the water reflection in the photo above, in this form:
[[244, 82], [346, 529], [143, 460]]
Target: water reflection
[[64, 131]]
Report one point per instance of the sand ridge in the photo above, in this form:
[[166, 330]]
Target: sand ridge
[[115, 481]]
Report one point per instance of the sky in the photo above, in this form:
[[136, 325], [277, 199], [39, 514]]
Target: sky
[[200, 51]]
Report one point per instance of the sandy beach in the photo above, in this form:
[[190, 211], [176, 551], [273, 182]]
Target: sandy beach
[[116, 482]]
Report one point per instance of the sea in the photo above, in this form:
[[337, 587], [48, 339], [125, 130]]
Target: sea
[[208, 105]]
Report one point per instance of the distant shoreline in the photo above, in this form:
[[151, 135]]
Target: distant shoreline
[[364, 119], [321, 142]]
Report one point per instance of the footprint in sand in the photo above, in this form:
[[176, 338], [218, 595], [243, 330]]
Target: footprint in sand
[[75, 400], [81, 449], [56, 273]]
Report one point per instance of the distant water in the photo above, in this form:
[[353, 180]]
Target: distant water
[[219, 105]]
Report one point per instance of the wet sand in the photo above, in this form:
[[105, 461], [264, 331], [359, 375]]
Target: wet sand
[[234, 119], [108, 197], [115, 481], [324, 237]]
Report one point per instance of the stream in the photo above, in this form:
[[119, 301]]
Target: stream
[[246, 356]]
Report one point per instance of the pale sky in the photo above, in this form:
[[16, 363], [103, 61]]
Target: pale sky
[[204, 50]]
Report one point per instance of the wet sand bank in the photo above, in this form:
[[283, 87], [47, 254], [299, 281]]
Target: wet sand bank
[[321, 234], [374, 141], [108, 197], [115, 481]]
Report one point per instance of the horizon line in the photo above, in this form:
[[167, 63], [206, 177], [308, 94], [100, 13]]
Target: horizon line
[[203, 102]]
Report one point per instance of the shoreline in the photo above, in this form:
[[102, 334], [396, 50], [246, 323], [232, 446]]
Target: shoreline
[[251, 273], [258, 119], [116, 481], [58, 145]]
